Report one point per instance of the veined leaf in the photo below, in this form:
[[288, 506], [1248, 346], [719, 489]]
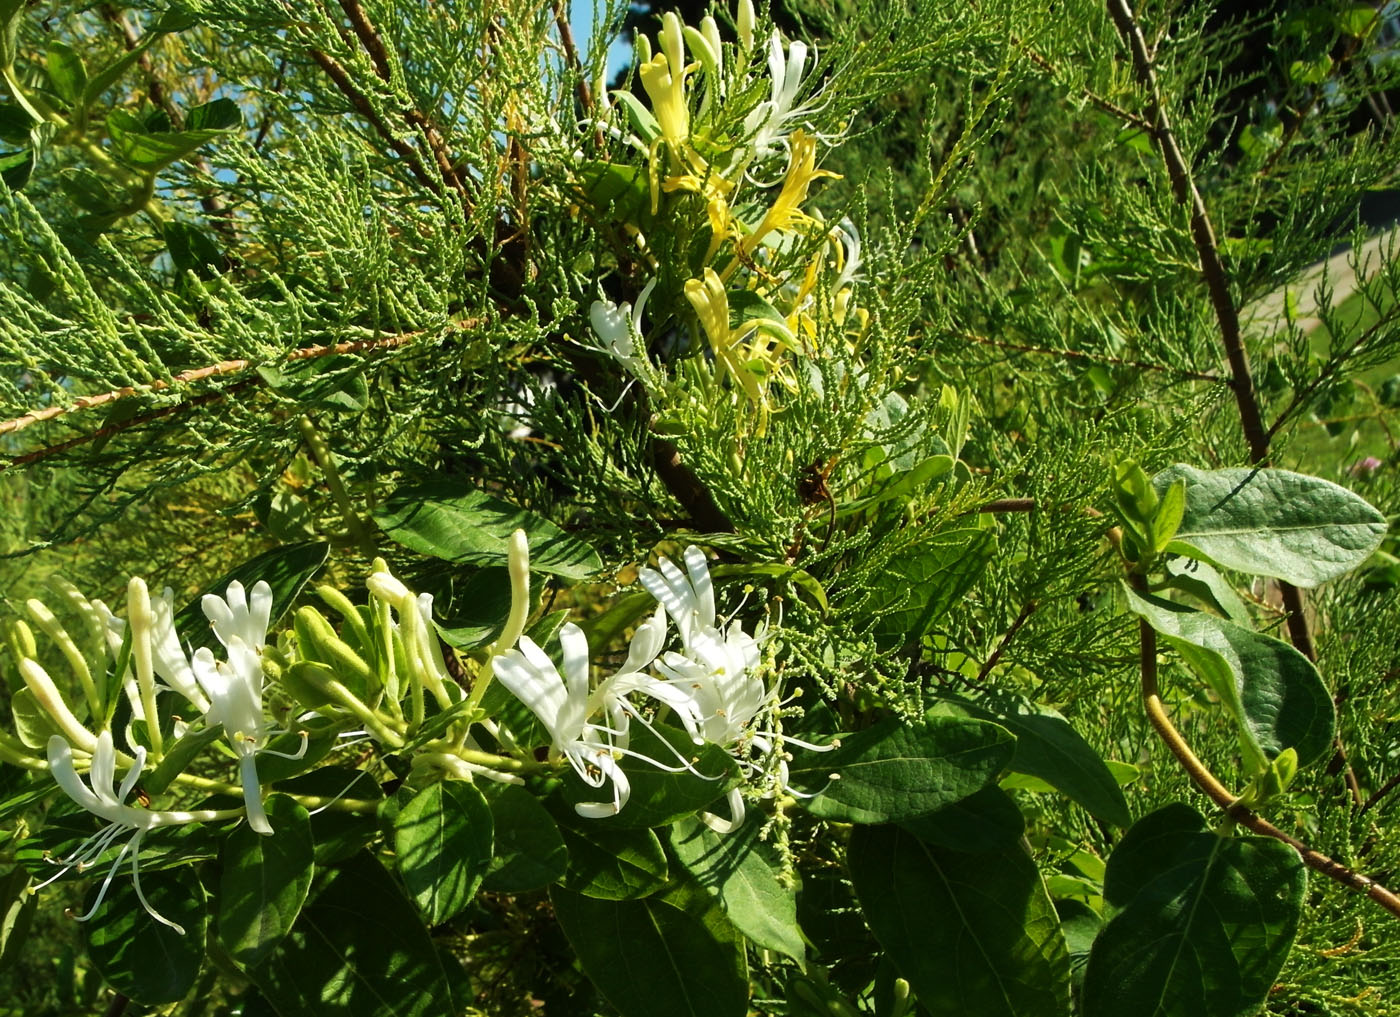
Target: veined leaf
[[1303, 530], [529, 851], [358, 949], [974, 933], [648, 957], [1274, 692], [738, 869], [459, 523], [1048, 747], [610, 862], [443, 839], [264, 882], [1206, 921], [137, 955], [897, 770]]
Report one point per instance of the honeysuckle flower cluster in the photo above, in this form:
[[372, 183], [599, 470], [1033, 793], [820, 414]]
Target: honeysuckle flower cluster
[[713, 684], [794, 270], [225, 693], [384, 675]]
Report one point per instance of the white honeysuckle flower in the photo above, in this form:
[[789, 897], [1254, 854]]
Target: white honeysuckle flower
[[431, 648], [718, 672], [716, 669], [240, 616], [104, 799], [767, 126], [562, 704], [235, 703], [716, 677], [611, 694], [689, 597], [167, 658], [619, 328]]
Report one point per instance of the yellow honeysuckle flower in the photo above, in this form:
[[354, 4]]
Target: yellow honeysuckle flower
[[748, 354], [665, 86], [786, 212], [663, 77]]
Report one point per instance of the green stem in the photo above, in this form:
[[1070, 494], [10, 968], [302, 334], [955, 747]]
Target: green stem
[[322, 454]]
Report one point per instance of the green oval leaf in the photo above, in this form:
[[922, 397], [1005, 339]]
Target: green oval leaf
[[218, 115], [647, 957], [358, 950], [972, 933], [1273, 691], [611, 862], [741, 872], [897, 770], [138, 956], [459, 523], [529, 850], [443, 839], [1303, 530], [264, 882], [142, 149], [1205, 925], [66, 71], [1048, 747], [985, 820]]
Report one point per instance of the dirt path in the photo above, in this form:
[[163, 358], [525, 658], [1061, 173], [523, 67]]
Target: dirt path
[[1345, 271]]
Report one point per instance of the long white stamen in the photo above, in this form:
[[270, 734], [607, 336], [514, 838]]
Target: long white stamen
[[136, 882], [102, 893]]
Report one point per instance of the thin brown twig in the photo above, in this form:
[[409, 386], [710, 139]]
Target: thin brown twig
[[213, 370], [1379, 794], [49, 451], [341, 77], [378, 52], [581, 88], [1003, 505], [369, 38], [1241, 381], [1021, 619], [1303, 394], [1111, 108], [1096, 358], [1222, 796]]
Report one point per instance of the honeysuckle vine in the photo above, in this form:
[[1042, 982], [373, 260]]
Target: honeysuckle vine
[[385, 675]]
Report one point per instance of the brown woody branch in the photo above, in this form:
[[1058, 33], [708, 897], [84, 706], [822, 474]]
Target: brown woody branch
[[373, 44], [1202, 232], [581, 89], [365, 108], [1021, 619], [213, 370], [1222, 796], [49, 451], [1227, 315], [1111, 108]]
